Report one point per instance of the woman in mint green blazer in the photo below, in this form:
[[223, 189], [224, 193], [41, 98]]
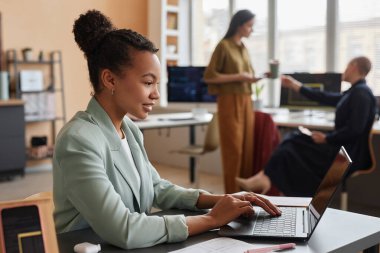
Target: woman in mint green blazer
[[102, 176]]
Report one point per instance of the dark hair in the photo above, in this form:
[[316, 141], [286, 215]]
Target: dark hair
[[364, 65], [237, 20], [105, 46]]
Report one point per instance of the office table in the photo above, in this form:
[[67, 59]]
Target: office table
[[318, 120], [322, 120], [338, 231], [172, 120], [169, 120], [315, 120]]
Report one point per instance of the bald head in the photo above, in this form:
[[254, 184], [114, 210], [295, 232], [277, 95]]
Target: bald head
[[363, 65]]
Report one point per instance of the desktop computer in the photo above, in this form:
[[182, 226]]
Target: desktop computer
[[185, 84], [327, 82]]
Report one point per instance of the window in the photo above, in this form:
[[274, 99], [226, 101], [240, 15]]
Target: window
[[302, 35], [210, 23], [257, 43], [359, 26], [301, 45]]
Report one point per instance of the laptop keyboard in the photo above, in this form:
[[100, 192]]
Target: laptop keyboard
[[284, 225]]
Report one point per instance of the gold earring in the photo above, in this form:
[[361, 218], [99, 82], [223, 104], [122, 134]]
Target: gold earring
[[112, 91]]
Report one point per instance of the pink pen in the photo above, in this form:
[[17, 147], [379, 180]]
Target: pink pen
[[271, 248]]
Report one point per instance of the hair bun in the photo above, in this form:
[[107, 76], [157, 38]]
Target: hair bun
[[90, 28]]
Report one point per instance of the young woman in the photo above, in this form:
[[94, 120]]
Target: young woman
[[102, 176], [230, 75]]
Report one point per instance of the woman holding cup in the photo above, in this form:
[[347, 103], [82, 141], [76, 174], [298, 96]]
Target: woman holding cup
[[230, 75]]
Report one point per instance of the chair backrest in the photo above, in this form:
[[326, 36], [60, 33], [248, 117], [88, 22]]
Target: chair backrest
[[372, 156], [212, 135], [43, 195]]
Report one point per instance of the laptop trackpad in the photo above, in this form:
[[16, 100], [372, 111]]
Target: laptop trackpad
[[241, 226]]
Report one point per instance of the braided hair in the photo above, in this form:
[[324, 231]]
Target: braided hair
[[106, 47]]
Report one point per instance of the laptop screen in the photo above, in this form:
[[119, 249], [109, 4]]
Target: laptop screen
[[328, 187]]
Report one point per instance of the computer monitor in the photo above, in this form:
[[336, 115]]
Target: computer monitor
[[329, 82], [185, 84]]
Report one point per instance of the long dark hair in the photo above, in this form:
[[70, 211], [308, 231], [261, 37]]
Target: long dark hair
[[238, 19], [105, 46]]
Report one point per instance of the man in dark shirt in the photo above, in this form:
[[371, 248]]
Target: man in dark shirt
[[300, 162]]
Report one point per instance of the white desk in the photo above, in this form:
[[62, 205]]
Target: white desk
[[282, 117], [311, 119], [169, 120], [338, 231]]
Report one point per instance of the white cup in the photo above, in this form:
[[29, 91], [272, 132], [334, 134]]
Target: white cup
[[199, 113], [274, 68]]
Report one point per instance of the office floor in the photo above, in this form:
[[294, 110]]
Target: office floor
[[41, 180]]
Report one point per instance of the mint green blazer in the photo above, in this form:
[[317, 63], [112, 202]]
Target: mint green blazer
[[92, 185]]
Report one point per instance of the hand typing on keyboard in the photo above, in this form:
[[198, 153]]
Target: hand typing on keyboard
[[257, 200]]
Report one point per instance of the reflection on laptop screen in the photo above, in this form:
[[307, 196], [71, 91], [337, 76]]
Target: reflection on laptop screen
[[328, 186]]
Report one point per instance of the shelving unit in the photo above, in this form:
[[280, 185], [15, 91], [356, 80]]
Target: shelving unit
[[12, 136], [168, 28], [172, 33], [45, 103]]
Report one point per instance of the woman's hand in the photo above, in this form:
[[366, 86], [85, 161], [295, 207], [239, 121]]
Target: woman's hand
[[248, 77], [229, 208], [259, 201], [226, 209]]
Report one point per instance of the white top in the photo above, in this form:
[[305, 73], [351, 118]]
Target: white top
[[127, 151]]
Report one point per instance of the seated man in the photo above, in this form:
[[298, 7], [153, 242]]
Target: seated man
[[300, 162]]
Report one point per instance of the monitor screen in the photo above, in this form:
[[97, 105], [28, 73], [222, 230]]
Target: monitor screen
[[329, 82], [185, 84]]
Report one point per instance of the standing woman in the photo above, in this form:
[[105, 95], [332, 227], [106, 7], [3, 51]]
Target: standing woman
[[230, 75]]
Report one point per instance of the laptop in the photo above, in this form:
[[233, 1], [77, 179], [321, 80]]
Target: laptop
[[295, 223]]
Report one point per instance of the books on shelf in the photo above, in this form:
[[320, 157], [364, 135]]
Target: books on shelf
[[39, 106], [31, 80]]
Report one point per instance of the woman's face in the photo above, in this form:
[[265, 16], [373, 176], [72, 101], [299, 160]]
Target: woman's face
[[246, 29], [136, 90]]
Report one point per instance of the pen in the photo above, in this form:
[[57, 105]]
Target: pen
[[271, 248]]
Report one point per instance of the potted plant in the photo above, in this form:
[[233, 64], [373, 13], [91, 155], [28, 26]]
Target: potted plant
[[27, 53], [258, 102]]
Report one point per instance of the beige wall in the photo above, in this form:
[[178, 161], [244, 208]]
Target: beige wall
[[47, 25]]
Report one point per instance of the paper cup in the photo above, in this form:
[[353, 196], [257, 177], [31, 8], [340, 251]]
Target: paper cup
[[274, 68]]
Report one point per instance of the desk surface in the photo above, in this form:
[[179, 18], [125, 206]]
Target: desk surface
[[321, 120], [165, 120], [338, 231]]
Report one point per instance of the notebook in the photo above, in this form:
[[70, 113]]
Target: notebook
[[297, 223]]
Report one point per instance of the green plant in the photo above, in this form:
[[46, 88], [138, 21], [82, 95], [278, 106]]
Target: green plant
[[258, 90]]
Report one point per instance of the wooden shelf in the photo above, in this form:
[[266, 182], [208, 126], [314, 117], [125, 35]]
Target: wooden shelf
[[172, 32], [172, 8], [11, 102], [172, 57]]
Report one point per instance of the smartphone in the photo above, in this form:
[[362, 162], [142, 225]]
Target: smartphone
[[304, 130], [22, 230]]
